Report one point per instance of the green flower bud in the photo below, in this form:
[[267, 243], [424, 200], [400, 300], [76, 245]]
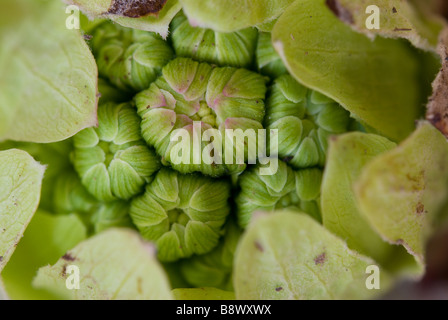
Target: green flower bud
[[214, 269], [111, 214], [131, 59], [70, 196], [304, 119], [215, 98], [268, 61], [235, 49], [284, 189], [182, 214], [112, 160]]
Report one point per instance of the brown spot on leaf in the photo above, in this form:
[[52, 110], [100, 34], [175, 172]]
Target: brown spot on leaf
[[420, 208], [1, 258], [139, 285], [64, 270], [320, 259], [402, 29], [68, 257], [278, 289], [136, 8], [259, 246], [341, 12], [394, 10]]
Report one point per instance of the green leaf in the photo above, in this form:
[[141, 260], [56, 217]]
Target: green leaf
[[154, 16], [20, 184], [49, 76], [47, 238], [401, 191], [202, 294], [377, 81], [348, 155], [115, 264], [288, 255], [398, 19], [229, 15]]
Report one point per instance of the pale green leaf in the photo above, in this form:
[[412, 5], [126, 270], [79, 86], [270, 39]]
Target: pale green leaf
[[229, 15], [115, 264], [288, 255], [49, 76], [401, 191], [397, 19], [47, 238], [118, 11], [377, 81], [20, 184], [202, 294], [347, 156]]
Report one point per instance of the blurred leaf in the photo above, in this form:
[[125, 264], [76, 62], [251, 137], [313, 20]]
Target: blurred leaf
[[115, 264], [398, 19], [401, 191], [154, 16], [377, 81], [47, 238], [20, 183], [347, 156], [288, 255], [202, 294], [49, 76], [229, 15]]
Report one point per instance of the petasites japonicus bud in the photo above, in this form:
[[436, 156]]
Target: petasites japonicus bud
[[234, 49], [112, 160], [214, 269], [287, 188], [196, 102], [304, 119], [131, 59], [182, 214]]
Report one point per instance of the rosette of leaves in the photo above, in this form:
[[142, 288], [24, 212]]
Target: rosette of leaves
[[235, 49], [304, 119], [112, 160], [131, 59], [214, 269], [182, 214], [287, 188], [216, 99], [268, 60]]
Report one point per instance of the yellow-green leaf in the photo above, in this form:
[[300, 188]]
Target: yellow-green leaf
[[229, 15], [115, 264], [288, 255], [401, 191], [48, 77], [20, 184]]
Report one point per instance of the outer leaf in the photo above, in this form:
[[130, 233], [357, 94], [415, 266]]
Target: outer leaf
[[288, 255], [348, 154], [115, 264], [3, 295], [20, 183], [401, 192], [229, 15], [375, 80], [46, 239], [149, 15], [202, 294], [49, 76], [398, 19]]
